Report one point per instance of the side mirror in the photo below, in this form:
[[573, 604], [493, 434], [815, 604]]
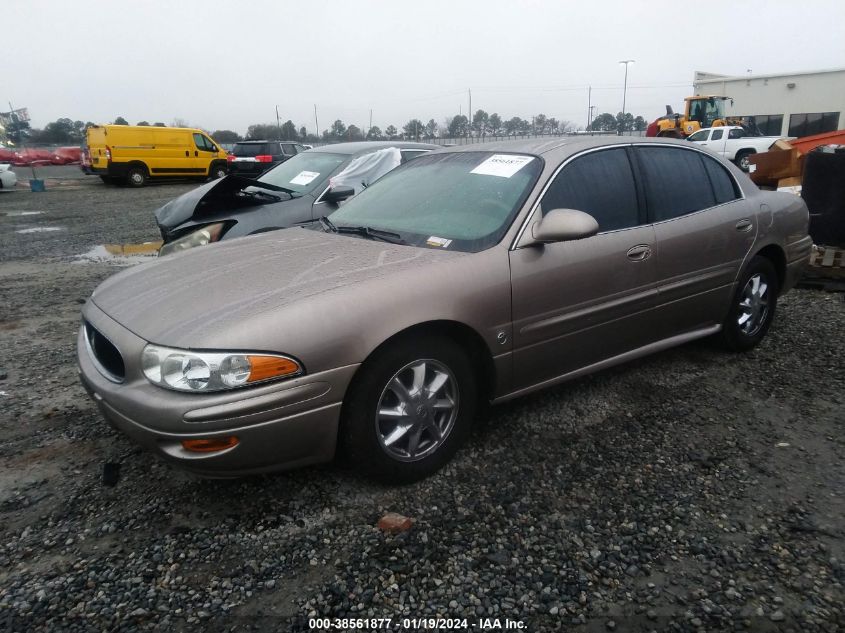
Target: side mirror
[[338, 194], [562, 225]]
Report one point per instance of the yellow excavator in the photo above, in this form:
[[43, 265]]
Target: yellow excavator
[[699, 112]]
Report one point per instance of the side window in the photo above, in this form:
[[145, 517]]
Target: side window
[[300, 148], [701, 135], [675, 182], [289, 150], [736, 133], [204, 143], [724, 186], [601, 184], [717, 135]]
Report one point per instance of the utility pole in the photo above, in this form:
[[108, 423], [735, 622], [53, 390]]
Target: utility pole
[[469, 114], [624, 92], [371, 122], [278, 123], [316, 123], [589, 106]]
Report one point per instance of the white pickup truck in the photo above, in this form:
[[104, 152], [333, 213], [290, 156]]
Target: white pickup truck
[[733, 142]]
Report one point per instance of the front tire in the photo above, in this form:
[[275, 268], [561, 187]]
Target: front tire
[[409, 409], [752, 307], [742, 159]]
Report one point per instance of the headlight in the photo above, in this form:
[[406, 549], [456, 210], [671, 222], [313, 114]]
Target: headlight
[[213, 371], [203, 236]]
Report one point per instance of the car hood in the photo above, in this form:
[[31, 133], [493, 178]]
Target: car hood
[[213, 198], [186, 298]]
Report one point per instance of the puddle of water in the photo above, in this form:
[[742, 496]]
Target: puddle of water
[[15, 214], [120, 254], [41, 229]]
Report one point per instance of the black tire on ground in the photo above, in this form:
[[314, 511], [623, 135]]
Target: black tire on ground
[[217, 170], [362, 433], [754, 301], [136, 176], [741, 159]]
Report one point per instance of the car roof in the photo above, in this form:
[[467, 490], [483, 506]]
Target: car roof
[[255, 141], [563, 145], [356, 147]]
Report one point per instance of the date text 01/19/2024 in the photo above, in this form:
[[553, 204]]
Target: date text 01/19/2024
[[415, 624]]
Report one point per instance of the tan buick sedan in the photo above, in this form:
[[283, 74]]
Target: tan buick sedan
[[471, 275]]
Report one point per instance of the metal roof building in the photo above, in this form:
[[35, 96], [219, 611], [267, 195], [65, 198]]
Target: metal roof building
[[793, 104]]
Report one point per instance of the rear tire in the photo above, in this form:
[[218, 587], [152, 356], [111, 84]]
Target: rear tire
[[409, 409], [742, 157], [752, 307], [136, 176]]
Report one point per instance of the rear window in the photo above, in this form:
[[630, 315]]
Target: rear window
[[250, 149], [675, 182], [723, 185]]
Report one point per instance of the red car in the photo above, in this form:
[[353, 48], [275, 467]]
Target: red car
[[30, 156], [67, 156]]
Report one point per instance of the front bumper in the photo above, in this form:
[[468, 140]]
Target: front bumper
[[279, 425]]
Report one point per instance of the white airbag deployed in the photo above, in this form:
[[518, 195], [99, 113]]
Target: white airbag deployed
[[365, 170]]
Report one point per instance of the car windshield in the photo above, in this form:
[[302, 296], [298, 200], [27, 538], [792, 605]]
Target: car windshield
[[304, 172], [461, 201], [249, 149]]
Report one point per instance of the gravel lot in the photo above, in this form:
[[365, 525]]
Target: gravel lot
[[692, 491]]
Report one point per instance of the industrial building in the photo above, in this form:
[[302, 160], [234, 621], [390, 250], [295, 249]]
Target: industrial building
[[794, 104]]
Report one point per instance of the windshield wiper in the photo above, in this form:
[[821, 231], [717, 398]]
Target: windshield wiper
[[328, 225], [260, 194], [266, 185], [363, 231]]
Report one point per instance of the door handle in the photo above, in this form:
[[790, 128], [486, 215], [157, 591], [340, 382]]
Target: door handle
[[639, 253], [743, 225]]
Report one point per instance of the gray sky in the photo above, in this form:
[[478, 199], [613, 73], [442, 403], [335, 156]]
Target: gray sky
[[228, 63]]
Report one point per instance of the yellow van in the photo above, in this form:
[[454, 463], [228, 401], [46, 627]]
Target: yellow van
[[133, 154]]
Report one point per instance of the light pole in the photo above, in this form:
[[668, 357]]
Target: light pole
[[624, 92], [278, 123]]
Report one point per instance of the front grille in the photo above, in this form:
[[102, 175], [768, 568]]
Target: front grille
[[105, 355]]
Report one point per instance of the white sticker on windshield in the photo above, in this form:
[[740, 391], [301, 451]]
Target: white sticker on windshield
[[304, 177], [502, 165], [442, 242]]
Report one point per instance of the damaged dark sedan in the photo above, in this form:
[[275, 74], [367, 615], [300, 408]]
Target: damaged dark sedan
[[299, 191]]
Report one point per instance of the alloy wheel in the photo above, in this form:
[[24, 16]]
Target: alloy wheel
[[417, 410], [753, 305]]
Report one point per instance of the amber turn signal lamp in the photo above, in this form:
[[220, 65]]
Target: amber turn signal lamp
[[210, 445], [265, 367]]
